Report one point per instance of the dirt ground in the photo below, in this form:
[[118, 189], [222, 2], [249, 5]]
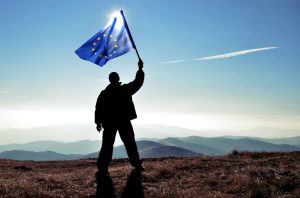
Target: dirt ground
[[234, 175]]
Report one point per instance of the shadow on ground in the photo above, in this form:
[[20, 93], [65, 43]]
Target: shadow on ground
[[133, 188]]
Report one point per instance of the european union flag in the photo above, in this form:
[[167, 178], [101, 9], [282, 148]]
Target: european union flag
[[109, 43]]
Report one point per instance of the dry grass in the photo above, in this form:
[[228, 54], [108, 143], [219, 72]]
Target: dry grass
[[235, 175]]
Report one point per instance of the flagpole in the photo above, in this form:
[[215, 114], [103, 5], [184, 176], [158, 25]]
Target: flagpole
[[134, 46]]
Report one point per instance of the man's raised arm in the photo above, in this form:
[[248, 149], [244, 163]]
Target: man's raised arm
[[137, 83]]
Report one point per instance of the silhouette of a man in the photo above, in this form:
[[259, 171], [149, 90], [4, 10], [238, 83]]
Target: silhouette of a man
[[114, 112]]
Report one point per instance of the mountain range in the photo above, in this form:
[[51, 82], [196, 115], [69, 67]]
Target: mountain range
[[77, 132], [78, 147], [148, 148]]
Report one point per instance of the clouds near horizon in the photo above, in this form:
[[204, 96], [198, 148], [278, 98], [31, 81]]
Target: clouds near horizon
[[4, 92]]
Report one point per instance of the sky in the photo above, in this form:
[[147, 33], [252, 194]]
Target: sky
[[210, 65]]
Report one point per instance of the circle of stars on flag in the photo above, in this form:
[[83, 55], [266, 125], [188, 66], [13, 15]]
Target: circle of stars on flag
[[99, 39]]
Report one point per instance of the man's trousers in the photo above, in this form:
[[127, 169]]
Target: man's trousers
[[127, 136]]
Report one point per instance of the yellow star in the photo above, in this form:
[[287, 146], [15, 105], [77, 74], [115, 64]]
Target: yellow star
[[110, 36], [95, 53], [106, 57], [93, 49], [115, 40], [100, 55], [94, 44], [104, 35], [110, 55], [98, 38], [116, 46]]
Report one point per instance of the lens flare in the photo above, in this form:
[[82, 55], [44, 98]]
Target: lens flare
[[119, 18]]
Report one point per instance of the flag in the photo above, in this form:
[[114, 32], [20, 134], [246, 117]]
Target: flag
[[109, 43]]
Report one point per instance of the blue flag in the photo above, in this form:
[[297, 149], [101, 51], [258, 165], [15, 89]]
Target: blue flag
[[109, 43]]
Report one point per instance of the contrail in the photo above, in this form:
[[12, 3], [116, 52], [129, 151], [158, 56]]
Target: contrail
[[220, 56], [238, 53]]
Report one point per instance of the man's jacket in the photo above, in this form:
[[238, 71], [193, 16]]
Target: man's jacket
[[115, 101]]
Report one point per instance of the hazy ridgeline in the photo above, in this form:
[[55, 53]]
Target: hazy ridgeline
[[148, 148]]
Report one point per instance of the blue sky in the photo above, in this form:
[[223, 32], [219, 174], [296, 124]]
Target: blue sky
[[41, 74]]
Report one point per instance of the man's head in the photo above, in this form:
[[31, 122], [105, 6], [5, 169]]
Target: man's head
[[114, 78]]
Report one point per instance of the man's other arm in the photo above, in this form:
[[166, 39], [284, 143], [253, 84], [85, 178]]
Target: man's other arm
[[98, 113]]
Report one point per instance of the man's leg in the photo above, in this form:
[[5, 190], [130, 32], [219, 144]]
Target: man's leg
[[127, 136], [106, 151]]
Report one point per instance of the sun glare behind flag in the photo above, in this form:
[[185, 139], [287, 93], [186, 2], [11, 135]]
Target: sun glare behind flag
[[109, 43]]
